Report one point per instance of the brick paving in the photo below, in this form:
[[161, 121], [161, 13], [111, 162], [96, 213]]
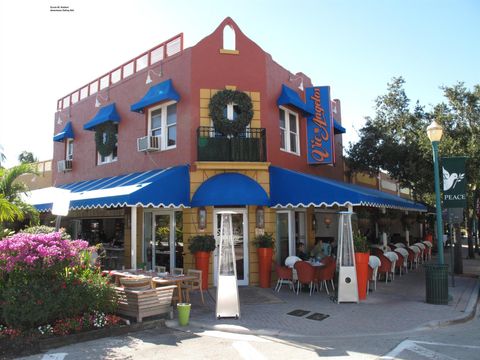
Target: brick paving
[[397, 306]]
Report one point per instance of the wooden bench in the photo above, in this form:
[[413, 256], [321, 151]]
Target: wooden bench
[[143, 303]]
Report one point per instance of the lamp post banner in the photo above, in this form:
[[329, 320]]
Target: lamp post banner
[[320, 142], [454, 182]]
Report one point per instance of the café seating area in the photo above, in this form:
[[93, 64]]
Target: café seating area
[[144, 293], [384, 264]]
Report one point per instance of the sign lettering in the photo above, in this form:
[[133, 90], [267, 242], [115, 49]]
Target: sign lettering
[[454, 182], [319, 126]]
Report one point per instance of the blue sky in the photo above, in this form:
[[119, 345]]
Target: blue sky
[[356, 47]]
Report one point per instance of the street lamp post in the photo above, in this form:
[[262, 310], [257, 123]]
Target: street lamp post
[[437, 275], [435, 132]]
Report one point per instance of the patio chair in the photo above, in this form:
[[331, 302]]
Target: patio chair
[[428, 249], [326, 273], [161, 269], [373, 265], [143, 303], [177, 271], [284, 276], [376, 251], [385, 266], [423, 252], [290, 262], [193, 284], [400, 245], [393, 257], [306, 275], [417, 252], [404, 254]]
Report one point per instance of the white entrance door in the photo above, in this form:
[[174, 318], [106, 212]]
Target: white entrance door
[[240, 236]]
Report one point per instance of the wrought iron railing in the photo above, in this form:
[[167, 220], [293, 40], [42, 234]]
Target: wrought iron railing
[[250, 145]]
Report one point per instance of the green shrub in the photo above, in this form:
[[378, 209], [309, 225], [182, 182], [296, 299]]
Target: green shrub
[[264, 241], [201, 243]]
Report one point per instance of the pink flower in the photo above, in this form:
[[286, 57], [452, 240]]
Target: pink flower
[[24, 250]]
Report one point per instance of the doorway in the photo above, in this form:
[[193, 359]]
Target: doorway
[[163, 239], [240, 238]]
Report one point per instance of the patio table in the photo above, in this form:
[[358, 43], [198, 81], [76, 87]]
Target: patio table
[[177, 280]]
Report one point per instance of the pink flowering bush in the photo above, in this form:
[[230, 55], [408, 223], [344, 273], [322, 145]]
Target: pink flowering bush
[[25, 251], [44, 278]]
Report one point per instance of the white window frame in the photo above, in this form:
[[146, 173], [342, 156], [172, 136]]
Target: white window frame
[[69, 149], [102, 160], [287, 131], [164, 126]]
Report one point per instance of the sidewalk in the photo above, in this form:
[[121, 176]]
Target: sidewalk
[[397, 306]]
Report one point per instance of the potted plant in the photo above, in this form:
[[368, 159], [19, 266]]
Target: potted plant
[[264, 244], [362, 255], [201, 246]]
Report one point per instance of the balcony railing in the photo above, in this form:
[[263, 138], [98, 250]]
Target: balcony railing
[[249, 145]]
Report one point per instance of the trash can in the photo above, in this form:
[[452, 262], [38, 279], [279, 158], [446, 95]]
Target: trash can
[[436, 276], [183, 313]]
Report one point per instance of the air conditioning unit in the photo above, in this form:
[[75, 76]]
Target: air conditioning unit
[[148, 143], [64, 165]]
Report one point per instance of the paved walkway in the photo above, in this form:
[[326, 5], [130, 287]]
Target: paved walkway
[[397, 306]]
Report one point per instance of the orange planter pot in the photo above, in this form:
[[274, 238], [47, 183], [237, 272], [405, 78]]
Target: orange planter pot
[[265, 266], [361, 267], [202, 262]]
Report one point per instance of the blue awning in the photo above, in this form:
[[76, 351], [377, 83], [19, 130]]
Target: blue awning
[[230, 189], [158, 188], [66, 133], [290, 97], [290, 188], [157, 93], [104, 114], [337, 128]]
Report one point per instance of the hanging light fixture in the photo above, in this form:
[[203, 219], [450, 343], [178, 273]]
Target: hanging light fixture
[[296, 77], [149, 78], [260, 217], [202, 218]]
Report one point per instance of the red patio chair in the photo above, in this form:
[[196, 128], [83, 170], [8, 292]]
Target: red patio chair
[[326, 273], [306, 275], [399, 262], [285, 276], [385, 266]]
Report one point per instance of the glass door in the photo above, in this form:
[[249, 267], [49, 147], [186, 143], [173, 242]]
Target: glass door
[[291, 230], [240, 239], [163, 239]]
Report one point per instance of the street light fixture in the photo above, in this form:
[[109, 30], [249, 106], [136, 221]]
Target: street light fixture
[[435, 132]]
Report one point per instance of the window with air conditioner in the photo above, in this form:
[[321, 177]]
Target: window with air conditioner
[[162, 125], [69, 149]]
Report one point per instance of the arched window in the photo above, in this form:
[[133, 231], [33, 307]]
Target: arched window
[[228, 38]]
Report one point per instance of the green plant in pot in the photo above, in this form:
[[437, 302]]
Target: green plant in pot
[[362, 256], [360, 243], [201, 243], [264, 244], [201, 246], [264, 241]]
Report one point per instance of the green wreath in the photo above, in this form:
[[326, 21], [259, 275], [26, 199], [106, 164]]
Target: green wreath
[[106, 147], [244, 111]]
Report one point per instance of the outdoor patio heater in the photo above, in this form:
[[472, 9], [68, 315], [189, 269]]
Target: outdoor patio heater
[[228, 304], [347, 276]]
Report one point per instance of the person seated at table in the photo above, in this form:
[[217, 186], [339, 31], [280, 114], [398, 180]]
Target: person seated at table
[[301, 251], [317, 251]]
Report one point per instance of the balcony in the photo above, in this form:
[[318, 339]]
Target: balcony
[[249, 145]]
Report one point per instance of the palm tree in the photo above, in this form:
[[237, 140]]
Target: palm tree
[[12, 207]]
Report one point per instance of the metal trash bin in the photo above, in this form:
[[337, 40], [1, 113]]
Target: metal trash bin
[[436, 276]]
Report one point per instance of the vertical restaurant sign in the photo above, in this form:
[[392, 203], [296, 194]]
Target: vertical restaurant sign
[[320, 142], [454, 182]]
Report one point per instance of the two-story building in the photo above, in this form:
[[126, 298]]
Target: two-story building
[[153, 150]]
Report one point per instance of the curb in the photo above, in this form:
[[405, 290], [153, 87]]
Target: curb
[[470, 312]]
